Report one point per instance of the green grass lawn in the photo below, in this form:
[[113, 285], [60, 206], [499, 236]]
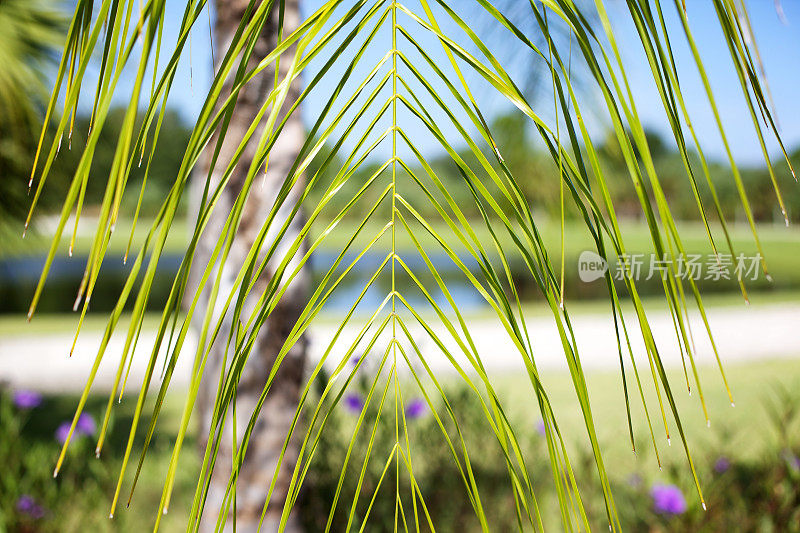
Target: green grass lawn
[[753, 385], [39, 237], [781, 244]]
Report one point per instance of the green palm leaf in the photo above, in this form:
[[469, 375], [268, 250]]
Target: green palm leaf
[[245, 268]]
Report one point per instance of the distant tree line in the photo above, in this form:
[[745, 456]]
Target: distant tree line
[[538, 176], [17, 152]]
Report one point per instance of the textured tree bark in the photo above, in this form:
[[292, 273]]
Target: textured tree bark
[[276, 415]]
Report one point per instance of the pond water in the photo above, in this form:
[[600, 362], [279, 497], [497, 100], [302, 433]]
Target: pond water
[[19, 275]]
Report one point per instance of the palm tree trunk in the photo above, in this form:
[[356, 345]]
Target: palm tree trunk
[[276, 415]]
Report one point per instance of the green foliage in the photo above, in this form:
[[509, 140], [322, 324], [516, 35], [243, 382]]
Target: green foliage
[[746, 491], [434, 465], [31, 38], [32, 501], [538, 179], [31, 34], [759, 493], [165, 164], [754, 494]]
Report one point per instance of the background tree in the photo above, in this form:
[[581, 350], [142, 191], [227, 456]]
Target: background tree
[[31, 35], [274, 422]]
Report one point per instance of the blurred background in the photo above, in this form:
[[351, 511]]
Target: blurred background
[[747, 458]]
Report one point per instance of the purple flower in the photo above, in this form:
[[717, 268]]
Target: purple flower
[[28, 506], [355, 360], [416, 408], [354, 403], [540, 429], [668, 499], [722, 465], [635, 480], [27, 399], [86, 425], [63, 432], [792, 460]]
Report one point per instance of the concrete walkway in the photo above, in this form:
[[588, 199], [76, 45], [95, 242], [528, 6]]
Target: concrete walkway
[[741, 334]]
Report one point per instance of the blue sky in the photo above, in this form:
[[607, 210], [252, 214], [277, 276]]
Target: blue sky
[[779, 44]]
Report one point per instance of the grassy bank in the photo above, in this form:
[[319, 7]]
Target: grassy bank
[[65, 323], [775, 238]]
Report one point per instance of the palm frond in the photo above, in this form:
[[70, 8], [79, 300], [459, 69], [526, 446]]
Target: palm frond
[[430, 62]]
